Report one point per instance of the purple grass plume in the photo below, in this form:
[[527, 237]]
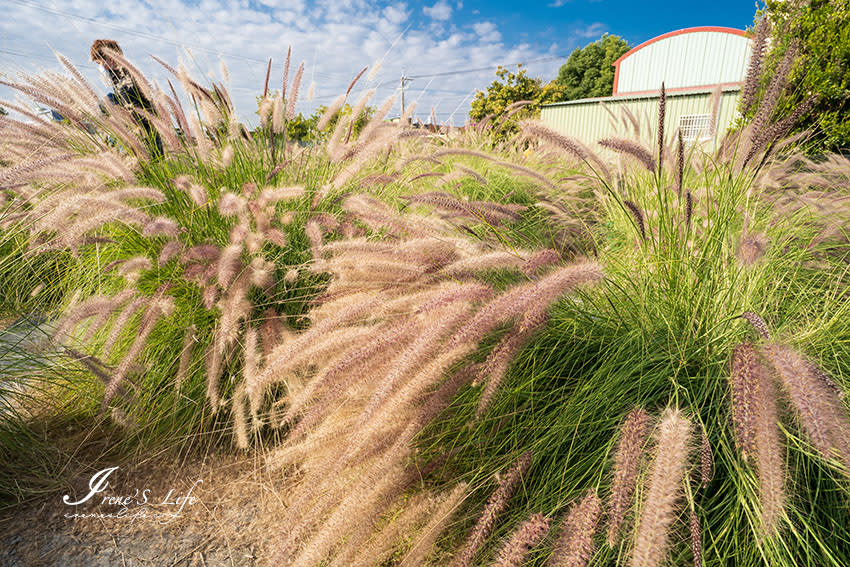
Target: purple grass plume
[[627, 459]]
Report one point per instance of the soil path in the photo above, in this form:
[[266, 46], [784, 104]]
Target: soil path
[[227, 519]]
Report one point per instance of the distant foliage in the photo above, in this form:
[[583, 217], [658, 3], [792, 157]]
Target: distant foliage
[[345, 112], [511, 97], [821, 32], [508, 88], [589, 72], [305, 128]]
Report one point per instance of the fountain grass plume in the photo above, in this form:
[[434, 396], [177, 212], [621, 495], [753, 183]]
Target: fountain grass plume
[[758, 132], [706, 457], [680, 163], [495, 506], [637, 216], [496, 365], [696, 537], [574, 546], [627, 459], [293, 93], [751, 82], [663, 490], [819, 411], [756, 419], [757, 323], [662, 109], [286, 63], [746, 378], [632, 148], [525, 538], [425, 542]]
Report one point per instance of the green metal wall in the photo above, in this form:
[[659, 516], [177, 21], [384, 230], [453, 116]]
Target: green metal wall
[[590, 120]]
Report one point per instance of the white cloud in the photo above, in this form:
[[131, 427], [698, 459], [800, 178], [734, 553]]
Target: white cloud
[[594, 30], [439, 11], [559, 3], [487, 31], [396, 14], [335, 38]]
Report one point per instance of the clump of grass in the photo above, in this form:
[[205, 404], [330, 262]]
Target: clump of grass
[[661, 327], [198, 250]]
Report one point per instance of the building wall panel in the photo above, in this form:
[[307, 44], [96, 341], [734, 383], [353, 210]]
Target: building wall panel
[[595, 119]]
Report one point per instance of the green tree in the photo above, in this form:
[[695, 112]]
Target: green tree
[[3, 111], [820, 30], [589, 71], [508, 88], [301, 129]]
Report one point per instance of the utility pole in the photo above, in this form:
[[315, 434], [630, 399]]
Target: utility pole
[[404, 80]]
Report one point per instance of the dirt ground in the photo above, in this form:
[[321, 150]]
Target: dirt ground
[[231, 521]]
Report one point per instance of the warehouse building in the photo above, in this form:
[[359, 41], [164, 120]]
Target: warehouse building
[[702, 68]]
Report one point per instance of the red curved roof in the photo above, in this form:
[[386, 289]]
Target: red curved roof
[[718, 29]]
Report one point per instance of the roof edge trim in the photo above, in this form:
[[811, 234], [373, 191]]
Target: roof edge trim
[[689, 91]]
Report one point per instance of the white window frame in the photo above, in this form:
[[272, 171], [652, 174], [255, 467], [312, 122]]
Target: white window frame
[[695, 127]]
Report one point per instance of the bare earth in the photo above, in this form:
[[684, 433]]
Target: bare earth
[[233, 521]]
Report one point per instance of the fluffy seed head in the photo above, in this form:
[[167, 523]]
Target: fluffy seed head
[[574, 547], [161, 226], [747, 374], [229, 265], [631, 148], [231, 204], [706, 461], [663, 489], [637, 214], [757, 322], [525, 538], [662, 109], [696, 538], [626, 467], [539, 259], [756, 426], [495, 505], [819, 410]]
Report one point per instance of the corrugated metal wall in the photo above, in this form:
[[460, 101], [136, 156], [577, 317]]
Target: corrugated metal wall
[[685, 60], [591, 120]]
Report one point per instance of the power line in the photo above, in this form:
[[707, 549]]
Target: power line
[[480, 69], [150, 36], [153, 37], [176, 43], [130, 31], [144, 35], [14, 53]]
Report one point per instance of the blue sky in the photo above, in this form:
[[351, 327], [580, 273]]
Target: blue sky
[[636, 21], [336, 38]]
